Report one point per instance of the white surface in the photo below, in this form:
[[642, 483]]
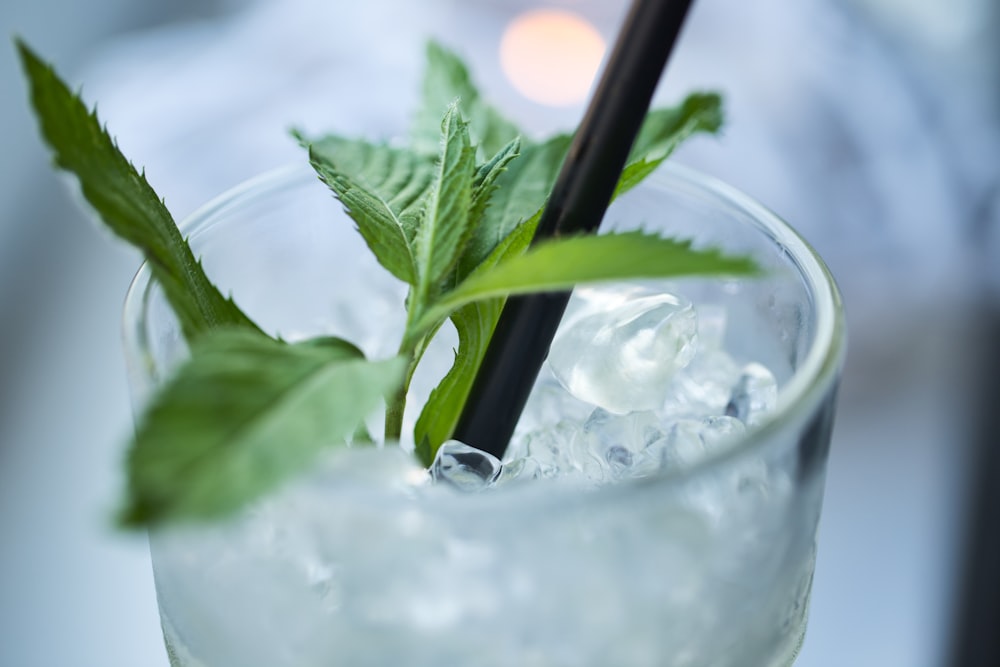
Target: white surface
[[881, 165]]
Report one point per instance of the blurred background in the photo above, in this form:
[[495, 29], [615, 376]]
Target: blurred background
[[872, 125]]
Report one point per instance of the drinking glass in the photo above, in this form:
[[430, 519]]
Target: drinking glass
[[363, 562]]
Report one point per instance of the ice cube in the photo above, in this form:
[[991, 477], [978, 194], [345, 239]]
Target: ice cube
[[603, 448], [690, 441], [754, 394], [622, 359], [704, 387], [633, 431], [618, 457], [549, 404], [519, 470], [549, 448], [616, 440], [465, 467]]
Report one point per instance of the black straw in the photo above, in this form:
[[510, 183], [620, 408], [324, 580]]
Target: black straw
[[578, 201]]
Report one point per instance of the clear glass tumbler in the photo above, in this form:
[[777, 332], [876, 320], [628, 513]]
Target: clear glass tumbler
[[363, 563]]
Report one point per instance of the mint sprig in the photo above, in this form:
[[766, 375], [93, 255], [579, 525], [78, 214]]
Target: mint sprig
[[125, 201], [508, 225], [452, 215]]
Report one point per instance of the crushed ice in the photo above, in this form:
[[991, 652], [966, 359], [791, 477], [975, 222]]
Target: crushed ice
[[635, 384]]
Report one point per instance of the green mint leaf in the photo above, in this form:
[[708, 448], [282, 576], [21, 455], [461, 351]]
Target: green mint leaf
[[383, 190], [485, 183], [444, 224], [335, 345], [634, 174], [483, 188], [125, 201], [446, 78], [520, 192], [665, 129], [560, 263], [241, 416]]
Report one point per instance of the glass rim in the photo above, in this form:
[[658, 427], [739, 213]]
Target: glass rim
[[803, 393], [816, 377]]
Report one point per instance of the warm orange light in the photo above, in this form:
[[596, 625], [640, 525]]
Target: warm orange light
[[551, 56]]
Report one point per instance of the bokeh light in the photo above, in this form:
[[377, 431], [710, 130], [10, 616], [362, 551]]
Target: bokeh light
[[551, 56]]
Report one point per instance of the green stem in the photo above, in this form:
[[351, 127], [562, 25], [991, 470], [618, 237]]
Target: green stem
[[412, 349], [394, 414], [395, 408], [414, 352]]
